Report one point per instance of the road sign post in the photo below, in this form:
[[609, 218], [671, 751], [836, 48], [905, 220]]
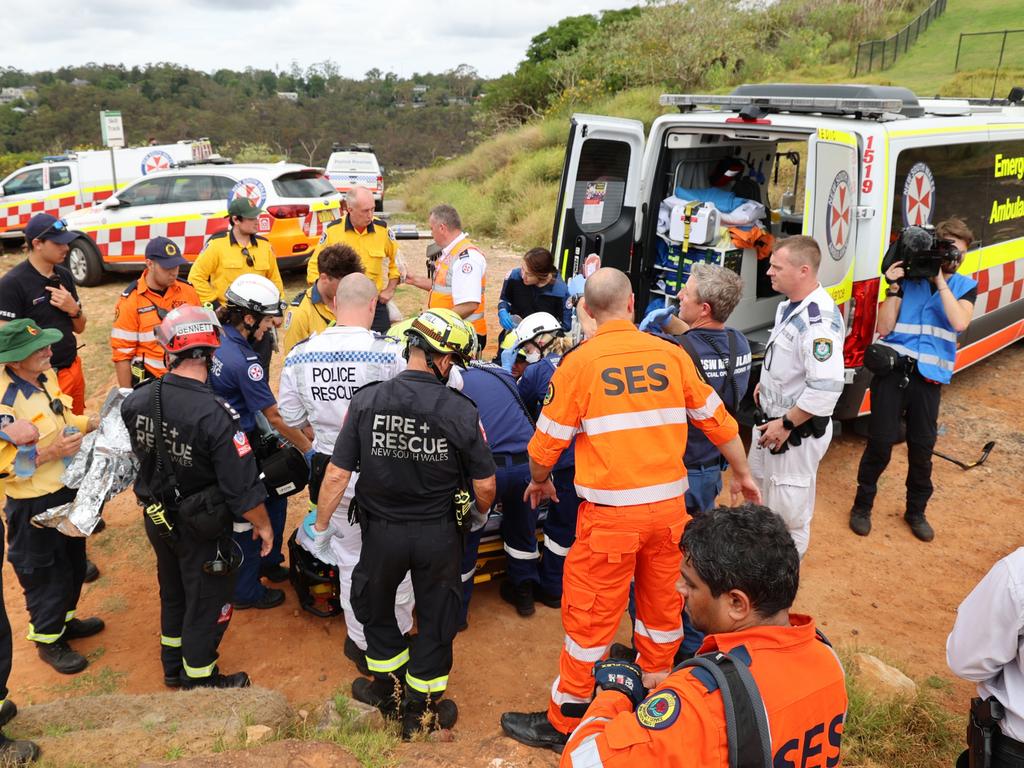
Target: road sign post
[[112, 130]]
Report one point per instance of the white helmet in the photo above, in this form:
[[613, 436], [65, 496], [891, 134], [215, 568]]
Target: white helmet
[[256, 294], [541, 328]]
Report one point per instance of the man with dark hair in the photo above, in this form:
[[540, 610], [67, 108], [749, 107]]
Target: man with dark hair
[[739, 577], [313, 309]]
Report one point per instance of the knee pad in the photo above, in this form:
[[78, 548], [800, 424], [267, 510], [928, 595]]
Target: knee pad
[[314, 581]]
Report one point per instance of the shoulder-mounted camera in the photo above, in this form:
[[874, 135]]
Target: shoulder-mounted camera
[[923, 253]]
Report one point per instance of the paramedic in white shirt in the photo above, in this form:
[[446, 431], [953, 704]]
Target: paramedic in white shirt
[[986, 647], [318, 379], [801, 381]]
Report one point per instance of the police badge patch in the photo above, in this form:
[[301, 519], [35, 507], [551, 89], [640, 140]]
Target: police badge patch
[[550, 394], [659, 711], [822, 349]]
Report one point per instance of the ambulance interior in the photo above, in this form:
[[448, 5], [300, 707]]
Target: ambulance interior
[[723, 199]]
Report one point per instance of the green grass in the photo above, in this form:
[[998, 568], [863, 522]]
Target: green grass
[[93, 683]]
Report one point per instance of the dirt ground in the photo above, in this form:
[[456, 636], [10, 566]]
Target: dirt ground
[[887, 593]]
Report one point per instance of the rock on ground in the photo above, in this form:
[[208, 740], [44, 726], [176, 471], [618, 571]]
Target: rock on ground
[[880, 680], [126, 730]]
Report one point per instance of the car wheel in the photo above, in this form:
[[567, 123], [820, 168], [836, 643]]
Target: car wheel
[[378, 205], [85, 262]]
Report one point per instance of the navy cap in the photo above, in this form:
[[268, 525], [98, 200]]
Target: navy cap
[[165, 252], [43, 226]]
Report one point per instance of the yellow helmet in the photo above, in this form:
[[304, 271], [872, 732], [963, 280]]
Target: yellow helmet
[[397, 331], [443, 331]]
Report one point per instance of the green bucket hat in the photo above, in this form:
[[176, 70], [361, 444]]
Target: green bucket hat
[[20, 338]]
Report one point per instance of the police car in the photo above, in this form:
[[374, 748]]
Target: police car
[[356, 166], [188, 204], [858, 163]]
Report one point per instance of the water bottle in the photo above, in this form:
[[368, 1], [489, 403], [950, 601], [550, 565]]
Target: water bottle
[[25, 461], [70, 431]]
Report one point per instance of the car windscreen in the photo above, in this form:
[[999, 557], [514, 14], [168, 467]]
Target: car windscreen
[[303, 184], [352, 162]]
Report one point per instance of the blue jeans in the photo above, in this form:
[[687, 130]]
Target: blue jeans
[[249, 588], [704, 487]]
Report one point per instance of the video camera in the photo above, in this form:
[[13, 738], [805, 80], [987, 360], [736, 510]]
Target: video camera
[[922, 252]]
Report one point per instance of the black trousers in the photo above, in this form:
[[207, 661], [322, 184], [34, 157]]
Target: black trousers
[[49, 565], [195, 607], [431, 552], [6, 646], [916, 403], [381, 319]]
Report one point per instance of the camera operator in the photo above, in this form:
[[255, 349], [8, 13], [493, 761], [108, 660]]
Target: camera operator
[[927, 305]]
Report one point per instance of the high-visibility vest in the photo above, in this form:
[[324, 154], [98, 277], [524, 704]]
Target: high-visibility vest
[[441, 290]]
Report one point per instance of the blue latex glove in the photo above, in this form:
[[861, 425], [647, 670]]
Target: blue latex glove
[[576, 284], [505, 318], [655, 320], [622, 676], [308, 456], [508, 357], [321, 545], [307, 523]]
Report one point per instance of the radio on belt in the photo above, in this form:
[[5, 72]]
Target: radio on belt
[[694, 223]]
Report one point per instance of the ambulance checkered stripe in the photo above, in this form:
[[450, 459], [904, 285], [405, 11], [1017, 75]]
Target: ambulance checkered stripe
[[999, 286], [381, 358], [130, 240], [355, 179], [16, 215]]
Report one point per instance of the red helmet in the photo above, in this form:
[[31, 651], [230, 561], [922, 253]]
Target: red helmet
[[188, 327]]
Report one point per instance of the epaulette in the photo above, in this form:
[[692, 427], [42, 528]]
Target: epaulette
[[130, 288], [299, 297], [380, 223], [217, 235], [259, 237], [227, 407], [813, 313], [183, 280], [334, 223]]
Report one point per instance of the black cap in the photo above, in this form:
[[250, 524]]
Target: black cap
[[43, 226], [165, 252]]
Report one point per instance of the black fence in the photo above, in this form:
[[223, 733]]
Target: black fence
[[990, 50], [881, 54]]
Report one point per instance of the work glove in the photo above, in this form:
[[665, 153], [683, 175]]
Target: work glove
[[308, 456], [321, 544], [622, 676], [508, 357], [307, 523], [575, 285], [656, 319], [506, 320]]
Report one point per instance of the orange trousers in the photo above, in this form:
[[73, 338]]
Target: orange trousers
[[616, 545], [72, 384]]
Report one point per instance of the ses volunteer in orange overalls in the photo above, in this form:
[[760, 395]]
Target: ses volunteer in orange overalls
[[626, 395], [142, 306], [740, 575]]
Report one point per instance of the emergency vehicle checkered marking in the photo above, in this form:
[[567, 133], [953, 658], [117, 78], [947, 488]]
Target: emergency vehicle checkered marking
[[998, 286], [349, 180], [131, 239], [302, 358], [839, 215], [918, 196], [16, 215]]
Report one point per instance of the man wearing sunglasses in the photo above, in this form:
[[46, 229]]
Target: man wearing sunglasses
[[137, 355], [237, 251], [41, 288]]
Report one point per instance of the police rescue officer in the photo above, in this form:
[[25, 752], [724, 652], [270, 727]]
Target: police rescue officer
[[252, 307], [415, 443], [800, 385], [739, 576], [206, 449], [627, 397]]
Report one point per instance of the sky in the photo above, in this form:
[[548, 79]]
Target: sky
[[401, 36]]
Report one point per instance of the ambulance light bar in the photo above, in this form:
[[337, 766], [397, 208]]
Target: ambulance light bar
[[830, 106]]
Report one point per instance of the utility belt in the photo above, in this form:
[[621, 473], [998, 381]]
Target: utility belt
[[204, 514], [511, 459], [719, 463], [883, 360], [814, 427], [987, 745]]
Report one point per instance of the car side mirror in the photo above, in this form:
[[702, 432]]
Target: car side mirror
[[112, 202], [1, 190]]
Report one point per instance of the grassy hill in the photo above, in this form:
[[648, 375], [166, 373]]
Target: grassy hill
[[506, 187]]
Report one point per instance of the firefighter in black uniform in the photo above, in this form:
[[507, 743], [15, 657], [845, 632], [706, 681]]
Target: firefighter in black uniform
[[207, 458], [415, 443]]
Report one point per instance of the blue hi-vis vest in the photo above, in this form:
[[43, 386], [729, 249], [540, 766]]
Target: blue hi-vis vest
[[923, 331]]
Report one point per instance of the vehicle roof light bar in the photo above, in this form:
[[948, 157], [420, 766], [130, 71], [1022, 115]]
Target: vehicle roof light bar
[[687, 102]]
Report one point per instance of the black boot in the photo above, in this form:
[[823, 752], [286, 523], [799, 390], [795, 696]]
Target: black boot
[[860, 520], [919, 526], [78, 628], [357, 656], [423, 715], [519, 595], [91, 572], [621, 651], [216, 680], [8, 711], [60, 656], [533, 729], [384, 693]]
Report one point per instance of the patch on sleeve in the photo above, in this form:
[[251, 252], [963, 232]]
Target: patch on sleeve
[[467, 268], [256, 372], [225, 613], [822, 349], [288, 321], [391, 234], [241, 443], [550, 394], [323, 238], [659, 711], [6, 419]]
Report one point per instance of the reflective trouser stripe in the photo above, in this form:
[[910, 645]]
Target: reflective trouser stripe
[[659, 635], [69, 616], [170, 642], [589, 655], [38, 637], [521, 554], [561, 697], [196, 672], [388, 665], [469, 574], [241, 527], [555, 547], [586, 755], [437, 685]]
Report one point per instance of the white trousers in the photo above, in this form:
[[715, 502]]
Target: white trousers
[[345, 549], [787, 482]]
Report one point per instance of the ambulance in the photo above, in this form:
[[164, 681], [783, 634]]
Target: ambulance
[[65, 183], [190, 203], [850, 165]]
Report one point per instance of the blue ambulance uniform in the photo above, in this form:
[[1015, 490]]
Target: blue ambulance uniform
[[238, 376], [560, 523]]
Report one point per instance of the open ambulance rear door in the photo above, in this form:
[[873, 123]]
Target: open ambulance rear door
[[596, 215], [831, 207]]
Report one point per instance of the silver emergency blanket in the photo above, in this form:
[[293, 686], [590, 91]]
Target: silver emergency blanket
[[103, 467]]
